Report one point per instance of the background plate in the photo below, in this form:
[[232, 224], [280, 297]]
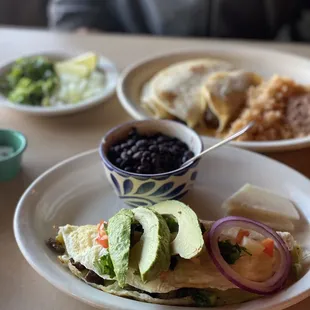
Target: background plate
[[76, 191], [264, 62], [104, 65]]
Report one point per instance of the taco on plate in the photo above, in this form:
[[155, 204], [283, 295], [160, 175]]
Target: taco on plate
[[166, 255]]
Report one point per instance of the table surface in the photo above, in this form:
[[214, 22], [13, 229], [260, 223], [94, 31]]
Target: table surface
[[51, 140]]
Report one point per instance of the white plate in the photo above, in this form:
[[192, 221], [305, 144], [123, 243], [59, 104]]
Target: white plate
[[264, 62], [104, 65], [76, 191]]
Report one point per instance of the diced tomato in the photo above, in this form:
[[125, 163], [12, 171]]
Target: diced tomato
[[269, 246], [103, 241], [101, 229], [242, 233], [102, 238]]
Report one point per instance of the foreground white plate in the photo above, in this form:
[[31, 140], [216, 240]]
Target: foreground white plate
[[104, 65], [264, 62], [76, 191]]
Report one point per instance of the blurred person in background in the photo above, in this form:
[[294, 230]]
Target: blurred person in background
[[255, 19]]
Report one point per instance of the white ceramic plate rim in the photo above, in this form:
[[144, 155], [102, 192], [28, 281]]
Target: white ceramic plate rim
[[267, 146], [107, 66], [110, 300]]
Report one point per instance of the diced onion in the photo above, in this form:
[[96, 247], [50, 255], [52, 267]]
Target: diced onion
[[270, 286], [253, 246]]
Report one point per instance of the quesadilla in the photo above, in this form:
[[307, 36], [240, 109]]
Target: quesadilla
[[138, 255], [224, 95], [175, 89], [150, 102]]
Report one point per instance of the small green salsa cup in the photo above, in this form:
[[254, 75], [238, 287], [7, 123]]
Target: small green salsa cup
[[12, 146]]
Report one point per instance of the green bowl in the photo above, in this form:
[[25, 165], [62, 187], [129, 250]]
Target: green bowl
[[12, 145]]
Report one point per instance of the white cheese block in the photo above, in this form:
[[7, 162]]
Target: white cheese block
[[262, 205]]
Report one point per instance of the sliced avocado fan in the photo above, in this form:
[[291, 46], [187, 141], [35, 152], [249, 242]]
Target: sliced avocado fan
[[188, 242], [119, 228], [152, 252]]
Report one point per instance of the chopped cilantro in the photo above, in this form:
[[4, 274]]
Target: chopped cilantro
[[104, 266], [231, 252]]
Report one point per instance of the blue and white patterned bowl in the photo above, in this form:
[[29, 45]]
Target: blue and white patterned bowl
[[147, 189]]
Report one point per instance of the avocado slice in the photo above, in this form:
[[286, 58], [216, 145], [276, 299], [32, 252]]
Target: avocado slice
[[188, 242], [152, 252], [119, 228]]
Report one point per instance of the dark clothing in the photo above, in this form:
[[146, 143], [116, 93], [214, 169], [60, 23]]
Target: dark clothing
[[258, 19]]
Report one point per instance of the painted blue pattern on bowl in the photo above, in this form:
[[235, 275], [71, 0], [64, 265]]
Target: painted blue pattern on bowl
[[163, 189], [133, 205], [176, 191], [180, 195], [115, 183], [132, 198], [145, 187], [127, 186], [148, 191], [141, 203]]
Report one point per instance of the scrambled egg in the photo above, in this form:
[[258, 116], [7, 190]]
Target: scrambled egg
[[82, 247]]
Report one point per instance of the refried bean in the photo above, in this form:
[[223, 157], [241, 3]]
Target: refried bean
[[298, 115]]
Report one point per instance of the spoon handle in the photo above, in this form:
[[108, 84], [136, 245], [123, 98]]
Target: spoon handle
[[222, 142]]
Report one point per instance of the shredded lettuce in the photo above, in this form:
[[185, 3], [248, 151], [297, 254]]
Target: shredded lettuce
[[104, 266]]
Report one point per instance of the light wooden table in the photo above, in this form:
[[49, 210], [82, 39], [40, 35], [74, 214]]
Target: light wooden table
[[51, 140]]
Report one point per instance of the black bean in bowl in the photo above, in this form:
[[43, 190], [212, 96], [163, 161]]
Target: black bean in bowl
[[149, 154]]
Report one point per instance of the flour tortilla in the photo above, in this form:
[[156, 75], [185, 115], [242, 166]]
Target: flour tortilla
[[228, 297], [176, 88], [149, 101], [224, 93], [114, 289]]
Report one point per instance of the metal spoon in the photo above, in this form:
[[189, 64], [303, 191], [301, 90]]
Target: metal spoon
[[222, 142]]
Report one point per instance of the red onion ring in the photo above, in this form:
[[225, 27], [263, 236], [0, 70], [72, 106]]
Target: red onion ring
[[273, 284]]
